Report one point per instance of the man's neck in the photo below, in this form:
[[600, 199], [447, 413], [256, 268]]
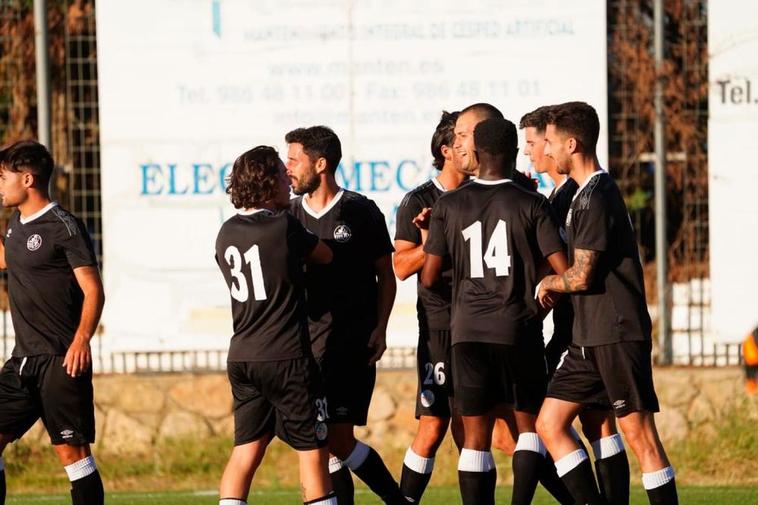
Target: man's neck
[[324, 194], [269, 205], [557, 177], [33, 204], [583, 166], [450, 177], [494, 172]]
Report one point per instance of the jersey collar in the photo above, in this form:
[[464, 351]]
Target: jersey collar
[[322, 212], [38, 214], [438, 184], [250, 212], [584, 185], [490, 183]]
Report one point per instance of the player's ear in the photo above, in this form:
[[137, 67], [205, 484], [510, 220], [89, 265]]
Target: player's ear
[[320, 165], [447, 152], [572, 145], [27, 179]]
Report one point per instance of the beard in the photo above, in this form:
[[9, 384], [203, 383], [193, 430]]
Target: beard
[[307, 185]]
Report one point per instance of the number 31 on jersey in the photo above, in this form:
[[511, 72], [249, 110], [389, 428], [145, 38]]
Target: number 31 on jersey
[[252, 257]]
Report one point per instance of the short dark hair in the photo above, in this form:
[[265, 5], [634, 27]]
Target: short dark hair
[[496, 136], [443, 136], [484, 110], [254, 178], [31, 156], [536, 119], [318, 142], [577, 119]]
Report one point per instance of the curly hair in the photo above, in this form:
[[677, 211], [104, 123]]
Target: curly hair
[[318, 142], [443, 136], [496, 136], [254, 178], [30, 156]]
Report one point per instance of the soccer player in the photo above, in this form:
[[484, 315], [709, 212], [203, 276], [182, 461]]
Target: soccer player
[[274, 377], [505, 432], [598, 422], [349, 303], [433, 409], [611, 349], [498, 235], [56, 298]]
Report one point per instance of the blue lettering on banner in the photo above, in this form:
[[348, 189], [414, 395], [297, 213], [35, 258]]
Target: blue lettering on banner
[[203, 178]]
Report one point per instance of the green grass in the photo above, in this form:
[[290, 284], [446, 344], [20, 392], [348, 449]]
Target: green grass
[[692, 495]]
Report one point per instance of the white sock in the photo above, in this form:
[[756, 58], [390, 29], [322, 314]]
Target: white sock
[[327, 500], [358, 456], [231, 501], [418, 464], [658, 478], [80, 469], [607, 446], [471, 460], [530, 442], [569, 462], [335, 464]]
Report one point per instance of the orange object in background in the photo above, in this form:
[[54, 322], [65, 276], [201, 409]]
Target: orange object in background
[[750, 354]]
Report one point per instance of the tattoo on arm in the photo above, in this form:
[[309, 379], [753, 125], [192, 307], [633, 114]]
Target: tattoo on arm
[[579, 276]]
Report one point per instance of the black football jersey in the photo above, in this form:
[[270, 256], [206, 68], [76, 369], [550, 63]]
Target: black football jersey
[[261, 255], [41, 252], [342, 296], [433, 305], [613, 309], [497, 234], [563, 312]]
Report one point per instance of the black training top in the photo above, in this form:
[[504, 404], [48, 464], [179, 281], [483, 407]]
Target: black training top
[[342, 296], [433, 305], [497, 234], [41, 252], [613, 309], [260, 255]]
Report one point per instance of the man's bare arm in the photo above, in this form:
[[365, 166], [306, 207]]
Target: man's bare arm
[[432, 270], [3, 266], [578, 277], [386, 299], [408, 258], [79, 357]]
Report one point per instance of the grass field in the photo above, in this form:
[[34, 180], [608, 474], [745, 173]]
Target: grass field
[[691, 495]]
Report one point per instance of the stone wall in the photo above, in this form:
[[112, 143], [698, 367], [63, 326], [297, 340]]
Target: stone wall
[[134, 412]]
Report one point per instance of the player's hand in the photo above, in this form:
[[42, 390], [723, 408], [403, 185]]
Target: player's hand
[[78, 357], [546, 298], [378, 344], [422, 219]]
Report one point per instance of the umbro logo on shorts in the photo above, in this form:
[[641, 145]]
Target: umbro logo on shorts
[[66, 434], [619, 404]]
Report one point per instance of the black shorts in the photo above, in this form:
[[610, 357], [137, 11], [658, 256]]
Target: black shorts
[[349, 385], [279, 397], [435, 380], [487, 375], [38, 387], [616, 375]]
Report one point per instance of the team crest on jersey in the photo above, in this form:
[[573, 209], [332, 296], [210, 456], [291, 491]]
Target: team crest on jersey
[[34, 242], [342, 233], [321, 430], [568, 218], [427, 398]]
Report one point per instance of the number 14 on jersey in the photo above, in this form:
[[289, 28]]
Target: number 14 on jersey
[[495, 256]]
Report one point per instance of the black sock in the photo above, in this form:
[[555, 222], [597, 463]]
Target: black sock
[[576, 472], [613, 478], [417, 470], [366, 463], [88, 490], [663, 495], [552, 483], [526, 466], [661, 487], [2, 485], [342, 482], [477, 488]]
